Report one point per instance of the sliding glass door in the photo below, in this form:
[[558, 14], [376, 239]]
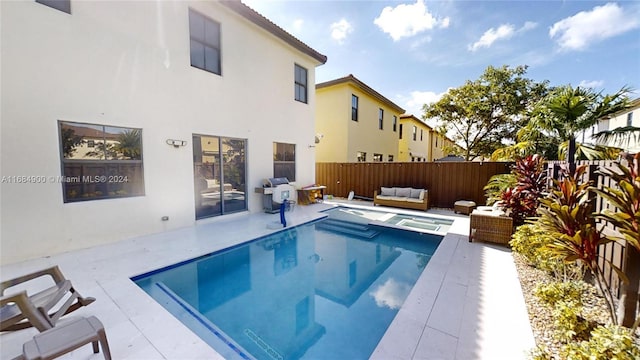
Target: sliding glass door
[[219, 172]]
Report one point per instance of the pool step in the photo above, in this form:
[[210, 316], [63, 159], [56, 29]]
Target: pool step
[[349, 228]]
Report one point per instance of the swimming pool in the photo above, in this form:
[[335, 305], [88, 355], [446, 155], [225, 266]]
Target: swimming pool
[[323, 290]]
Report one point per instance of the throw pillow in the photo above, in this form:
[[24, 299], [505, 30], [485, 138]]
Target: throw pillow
[[403, 192], [386, 191]]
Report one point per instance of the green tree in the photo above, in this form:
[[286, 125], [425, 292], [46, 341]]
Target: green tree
[[567, 110], [483, 113], [69, 142], [129, 144]]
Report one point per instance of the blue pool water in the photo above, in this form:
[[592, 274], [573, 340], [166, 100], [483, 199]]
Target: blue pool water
[[323, 290]]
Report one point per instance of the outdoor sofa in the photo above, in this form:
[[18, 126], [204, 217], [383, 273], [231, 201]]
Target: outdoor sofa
[[402, 197]]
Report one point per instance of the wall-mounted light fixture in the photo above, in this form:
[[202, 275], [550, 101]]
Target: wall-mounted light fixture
[[176, 143], [316, 140]]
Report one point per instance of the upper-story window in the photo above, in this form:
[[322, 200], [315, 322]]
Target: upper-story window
[[629, 118], [400, 132], [354, 108], [395, 123], [421, 134], [205, 42], [62, 5], [100, 161], [380, 119], [415, 133], [300, 83]]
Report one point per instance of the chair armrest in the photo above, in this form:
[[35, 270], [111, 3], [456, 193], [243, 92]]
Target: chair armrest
[[26, 308], [53, 271]]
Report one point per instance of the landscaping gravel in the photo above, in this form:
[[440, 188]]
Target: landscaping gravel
[[594, 306]]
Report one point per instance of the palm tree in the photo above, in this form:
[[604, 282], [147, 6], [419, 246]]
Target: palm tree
[[130, 144], [568, 110]]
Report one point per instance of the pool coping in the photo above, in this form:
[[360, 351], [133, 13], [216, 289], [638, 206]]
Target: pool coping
[[138, 327]]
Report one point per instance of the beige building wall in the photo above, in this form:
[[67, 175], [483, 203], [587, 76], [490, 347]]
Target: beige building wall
[[629, 117], [440, 146], [344, 138], [414, 150], [127, 63]]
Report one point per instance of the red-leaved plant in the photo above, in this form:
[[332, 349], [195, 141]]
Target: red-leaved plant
[[521, 201]]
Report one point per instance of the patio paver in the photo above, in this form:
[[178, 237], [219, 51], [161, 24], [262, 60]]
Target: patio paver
[[466, 305]]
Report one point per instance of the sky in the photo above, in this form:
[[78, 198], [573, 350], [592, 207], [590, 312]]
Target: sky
[[413, 51]]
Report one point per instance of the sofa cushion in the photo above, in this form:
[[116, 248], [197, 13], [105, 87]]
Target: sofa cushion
[[386, 191], [403, 192], [414, 200], [399, 198], [415, 194], [385, 197], [422, 194]]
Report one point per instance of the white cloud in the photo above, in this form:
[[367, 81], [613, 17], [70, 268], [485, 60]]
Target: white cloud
[[586, 27], [415, 101], [444, 23], [492, 35], [503, 32], [340, 30], [391, 294], [529, 25], [591, 84], [297, 25], [406, 20]]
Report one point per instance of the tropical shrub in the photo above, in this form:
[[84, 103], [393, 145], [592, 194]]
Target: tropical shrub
[[566, 216], [625, 196], [606, 343], [497, 185], [554, 292], [568, 323], [521, 201]]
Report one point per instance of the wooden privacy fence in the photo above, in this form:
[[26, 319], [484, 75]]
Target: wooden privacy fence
[[613, 251], [447, 182]]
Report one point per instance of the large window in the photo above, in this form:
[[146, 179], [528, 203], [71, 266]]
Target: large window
[[380, 119], [62, 5], [395, 123], [415, 133], [300, 83], [205, 42], [284, 161], [100, 161], [354, 108]]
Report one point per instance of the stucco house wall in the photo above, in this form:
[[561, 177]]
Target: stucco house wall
[[418, 149], [127, 63], [343, 137]]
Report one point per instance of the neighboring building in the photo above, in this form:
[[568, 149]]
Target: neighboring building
[[356, 123], [442, 146], [144, 116], [629, 117], [420, 142], [414, 140]]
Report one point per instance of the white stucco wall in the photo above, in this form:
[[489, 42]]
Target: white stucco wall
[[128, 64]]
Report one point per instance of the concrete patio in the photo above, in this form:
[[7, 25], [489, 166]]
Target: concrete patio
[[467, 304]]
